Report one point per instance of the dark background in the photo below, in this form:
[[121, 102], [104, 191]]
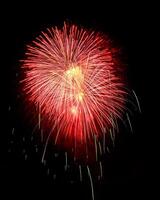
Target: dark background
[[126, 171]]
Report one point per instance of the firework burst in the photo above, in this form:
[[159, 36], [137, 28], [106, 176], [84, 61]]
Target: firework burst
[[72, 77]]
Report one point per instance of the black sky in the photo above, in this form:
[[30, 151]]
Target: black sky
[[126, 171]]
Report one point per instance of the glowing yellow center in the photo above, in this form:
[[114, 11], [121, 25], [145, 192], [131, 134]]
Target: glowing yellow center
[[79, 96], [74, 110], [75, 78], [75, 73]]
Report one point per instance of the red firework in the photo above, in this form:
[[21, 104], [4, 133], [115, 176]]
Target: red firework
[[71, 76]]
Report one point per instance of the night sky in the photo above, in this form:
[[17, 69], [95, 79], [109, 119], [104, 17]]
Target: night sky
[[126, 169]]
